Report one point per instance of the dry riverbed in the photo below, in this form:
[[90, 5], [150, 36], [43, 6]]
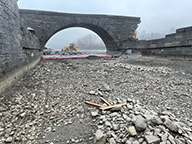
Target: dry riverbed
[[47, 104]]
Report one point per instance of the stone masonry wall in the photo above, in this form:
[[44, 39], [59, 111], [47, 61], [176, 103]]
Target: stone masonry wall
[[176, 44], [13, 37], [9, 35]]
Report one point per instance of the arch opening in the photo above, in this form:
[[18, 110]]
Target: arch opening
[[85, 39], [103, 35]]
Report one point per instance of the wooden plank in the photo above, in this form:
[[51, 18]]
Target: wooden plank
[[111, 106], [93, 104], [105, 101]]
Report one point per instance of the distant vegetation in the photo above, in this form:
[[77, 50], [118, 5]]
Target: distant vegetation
[[90, 42], [150, 36]]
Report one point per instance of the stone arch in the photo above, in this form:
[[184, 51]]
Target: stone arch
[[105, 34], [115, 31]]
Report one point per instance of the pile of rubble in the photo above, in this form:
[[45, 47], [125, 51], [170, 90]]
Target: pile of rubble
[[47, 104], [133, 124]]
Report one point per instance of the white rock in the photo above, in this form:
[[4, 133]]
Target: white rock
[[94, 113], [92, 92], [132, 131]]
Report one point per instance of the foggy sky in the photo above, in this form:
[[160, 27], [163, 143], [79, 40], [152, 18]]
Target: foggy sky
[[156, 15]]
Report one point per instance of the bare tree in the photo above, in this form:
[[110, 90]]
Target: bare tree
[[149, 36], [91, 42]]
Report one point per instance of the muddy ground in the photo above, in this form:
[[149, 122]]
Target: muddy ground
[[47, 104]]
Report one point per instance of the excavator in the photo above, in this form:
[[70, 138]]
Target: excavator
[[70, 48]]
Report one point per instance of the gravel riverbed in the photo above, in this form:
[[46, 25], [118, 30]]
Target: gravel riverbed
[[47, 104]]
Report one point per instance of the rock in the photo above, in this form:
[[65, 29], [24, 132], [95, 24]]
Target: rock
[[148, 116], [140, 123], [23, 114], [126, 118], [9, 140], [164, 137], [115, 127], [132, 131], [152, 139], [105, 87], [1, 129], [100, 138], [171, 125], [94, 113], [2, 108], [116, 109], [171, 139], [128, 142], [31, 137], [114, 114], [92, 93], [112, 141], [189, 142], [135, 142], [156, 121], [130, 107], [108, 124]]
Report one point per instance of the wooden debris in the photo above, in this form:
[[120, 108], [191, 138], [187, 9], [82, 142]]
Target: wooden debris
[[93, 104], [105, 101], [111, 106], [104, 107]]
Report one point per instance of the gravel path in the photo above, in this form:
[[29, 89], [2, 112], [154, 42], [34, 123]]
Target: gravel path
[[47, 104]]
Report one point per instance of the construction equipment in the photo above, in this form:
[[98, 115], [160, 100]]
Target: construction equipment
[[135, 32], [70, 48]]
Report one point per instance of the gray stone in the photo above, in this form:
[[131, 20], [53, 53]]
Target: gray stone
[[2, 108], [114, 114], [128, 142], [140, 123], [116, 109], [164, 137], [152, 139], [189, 142], [115, 127], [100, 138], [105, 87], [171, 139], [156, 120], [171, 125], [178, 141], [135, 142], [112, 141], [9, 140]]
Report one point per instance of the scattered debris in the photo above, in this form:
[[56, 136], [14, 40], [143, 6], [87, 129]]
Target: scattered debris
[[47, 104], [105, 107]]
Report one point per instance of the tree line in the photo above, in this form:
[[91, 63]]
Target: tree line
[[90, 42]]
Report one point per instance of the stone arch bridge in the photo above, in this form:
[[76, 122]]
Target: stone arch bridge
[[115, 31]]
